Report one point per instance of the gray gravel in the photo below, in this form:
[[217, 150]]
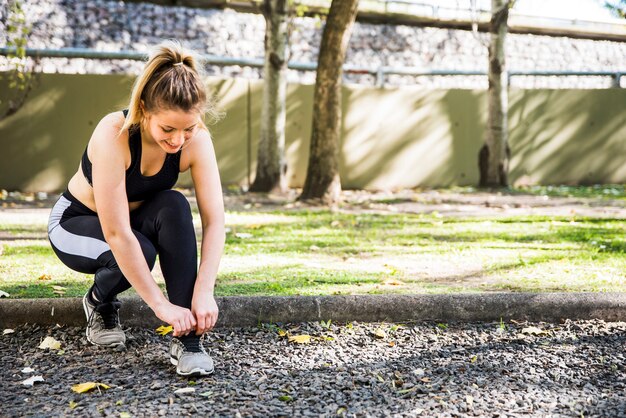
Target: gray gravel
[[423, 369]]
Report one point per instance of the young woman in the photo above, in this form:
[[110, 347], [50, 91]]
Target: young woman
[[119, 211]]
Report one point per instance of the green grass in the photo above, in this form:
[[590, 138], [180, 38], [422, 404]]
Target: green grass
[[598, 191], [306, 252]]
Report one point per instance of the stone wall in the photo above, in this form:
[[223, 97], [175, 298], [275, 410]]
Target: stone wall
[[116, 25]]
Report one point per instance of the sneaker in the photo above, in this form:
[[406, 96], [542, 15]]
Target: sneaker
[[190, 357], [103, 324]]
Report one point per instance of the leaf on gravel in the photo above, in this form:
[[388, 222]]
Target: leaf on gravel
[[403, 391], [425, 379], [27, 370], [473, 359], [282, 332], [380, 333], [51, 343], [87, 386], [8, 331], [206, 394], [300, 339], [124, 414], [44, 277], [184, 391], [392, 343], [73, 404], [534, 331], [285, 398], [469, 399], [4, 294], [32, 380], [164, 330]]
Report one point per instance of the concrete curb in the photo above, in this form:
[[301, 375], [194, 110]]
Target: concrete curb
[[250, 310]]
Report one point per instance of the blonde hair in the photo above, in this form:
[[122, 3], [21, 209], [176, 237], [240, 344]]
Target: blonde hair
[[170, 80]]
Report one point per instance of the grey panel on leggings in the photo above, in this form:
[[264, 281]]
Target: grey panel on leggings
[[68, 242]]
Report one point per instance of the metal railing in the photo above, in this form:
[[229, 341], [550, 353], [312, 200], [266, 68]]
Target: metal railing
[[380, 72]]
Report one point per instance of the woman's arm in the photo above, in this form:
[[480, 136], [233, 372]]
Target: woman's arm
[[206, 180], [107, 155]]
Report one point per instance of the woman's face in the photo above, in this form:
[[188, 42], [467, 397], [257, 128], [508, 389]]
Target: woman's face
[[171, 129]]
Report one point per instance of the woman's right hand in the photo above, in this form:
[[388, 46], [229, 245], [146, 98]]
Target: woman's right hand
[[181, 319]]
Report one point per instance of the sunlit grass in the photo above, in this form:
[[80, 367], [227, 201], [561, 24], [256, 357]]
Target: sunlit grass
[[318, 252]]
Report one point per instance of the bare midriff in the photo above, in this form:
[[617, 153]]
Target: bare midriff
[[82, 190]]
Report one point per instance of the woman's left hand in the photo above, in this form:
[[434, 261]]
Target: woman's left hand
[[204, 309]]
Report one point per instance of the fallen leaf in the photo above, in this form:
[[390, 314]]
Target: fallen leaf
[[51, 343], [392, 343], [282, 332], [425, 379], [393, 282], [403, 391], [32, 380], [4, 294], [285, 398], [380, 333], [164, 330], [300, 339], [8, 331], [534, 331], [44, 277], [87, 386], [73, 404], [27, 370], [184, 391], [124, 414], [473, 359], [119, 403], [206, 394], [470, 400]]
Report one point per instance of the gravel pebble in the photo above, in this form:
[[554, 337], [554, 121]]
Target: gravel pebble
[[575, 368]]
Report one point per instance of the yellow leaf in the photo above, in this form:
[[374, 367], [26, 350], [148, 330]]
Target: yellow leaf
[[380, 333], [473, 359], [87, 386], [125, 415], [392, 343], [164, 330], [44, 277], [282, 332], [73, 404], [51, 343], [300, 339]]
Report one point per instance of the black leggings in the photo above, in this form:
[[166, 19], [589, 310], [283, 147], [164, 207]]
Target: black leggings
[[162, 224]]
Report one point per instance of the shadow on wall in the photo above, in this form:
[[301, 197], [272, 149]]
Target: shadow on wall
[[42, 142], [391, 137], [396, 138], [568, 136]]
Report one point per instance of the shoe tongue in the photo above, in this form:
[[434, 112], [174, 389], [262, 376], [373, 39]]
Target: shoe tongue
[[192, 343], [108, 312]]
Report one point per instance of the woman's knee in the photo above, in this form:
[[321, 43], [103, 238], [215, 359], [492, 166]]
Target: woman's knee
[[173, 206]]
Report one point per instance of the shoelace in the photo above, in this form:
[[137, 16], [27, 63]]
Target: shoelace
[[108, 313]]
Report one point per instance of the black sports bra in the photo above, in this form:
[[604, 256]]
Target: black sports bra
[[138, 186]]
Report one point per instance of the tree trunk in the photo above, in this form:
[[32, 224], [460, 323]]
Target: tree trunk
[[271, 166], [322, 178], [494, 155]]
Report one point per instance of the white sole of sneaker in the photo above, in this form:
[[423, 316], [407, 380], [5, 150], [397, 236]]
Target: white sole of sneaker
[[194, 372]]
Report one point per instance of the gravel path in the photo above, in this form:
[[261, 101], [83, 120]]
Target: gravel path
[[424, 369]]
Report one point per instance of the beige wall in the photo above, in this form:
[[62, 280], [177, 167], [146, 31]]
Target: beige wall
[[391, 138]]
